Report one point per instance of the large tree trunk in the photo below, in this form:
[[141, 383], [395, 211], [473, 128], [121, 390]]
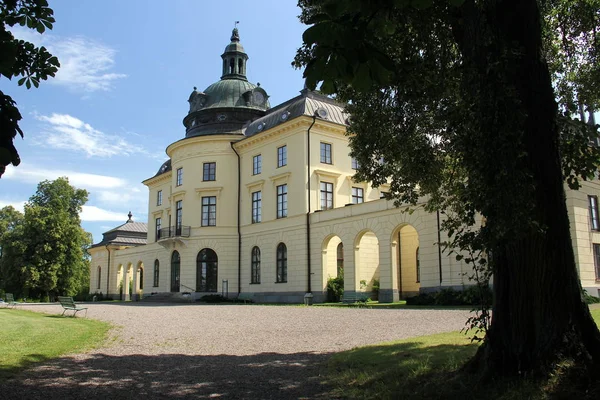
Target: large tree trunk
[[538, 312]]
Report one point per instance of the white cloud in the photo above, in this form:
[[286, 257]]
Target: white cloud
[[93, 213], [63, 131], [85, 64], [19, 205], [28, 174]]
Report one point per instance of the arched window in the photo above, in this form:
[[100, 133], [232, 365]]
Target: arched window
[[255, 270], [240, 66], [141, 271], [175, 265], [340, 259], [418, 264], [206, 271], [231, 66], [156, 273], [281, 263], [99, 276]]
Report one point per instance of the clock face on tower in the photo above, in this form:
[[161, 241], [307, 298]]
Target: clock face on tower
[[259, 99]]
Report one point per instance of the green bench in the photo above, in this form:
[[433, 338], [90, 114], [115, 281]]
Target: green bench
[[355, 298], [10, 300], [246, 297], [68, 304]]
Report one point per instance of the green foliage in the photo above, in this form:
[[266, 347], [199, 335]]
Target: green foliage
[[469, 296], [43, 337], [45, 253], [335, 288], [214, 298], [19, 58], [589, 299]]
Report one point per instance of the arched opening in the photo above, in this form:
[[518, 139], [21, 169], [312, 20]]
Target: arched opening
[[367, 269], [281, 272], [407, 260], [156, 280], [175, 271], [231, 66], [332, 257], [206, 271], [340, 259], [240, 66], [99, 277], [120, 277], [128, 282], [255, 267], [139, 278]]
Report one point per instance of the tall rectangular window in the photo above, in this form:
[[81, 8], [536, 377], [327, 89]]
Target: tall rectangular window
[[326, 153], [158, 227], [281, 156], [326, 195], [178, 216], [256, 207], [159, 198], [209, 211], [282, 201], [209, 171], [357, 195], [179, 177], [597, 260], [256, 164], [354, 163], [594, 220]]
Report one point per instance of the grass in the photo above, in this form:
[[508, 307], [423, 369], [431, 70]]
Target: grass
[[29, 337], [427, 367]]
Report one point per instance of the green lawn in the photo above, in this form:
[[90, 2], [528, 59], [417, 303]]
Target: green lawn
[[427, 367], [28, 337]]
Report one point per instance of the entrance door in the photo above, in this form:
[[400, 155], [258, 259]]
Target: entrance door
[[175, 267]]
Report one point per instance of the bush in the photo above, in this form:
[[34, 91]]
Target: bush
[[589, 299], [422, 299], [469, 296], [335, 289], [214, 298]]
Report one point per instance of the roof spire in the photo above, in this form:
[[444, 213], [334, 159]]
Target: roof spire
[[235, 35], [130, 215]]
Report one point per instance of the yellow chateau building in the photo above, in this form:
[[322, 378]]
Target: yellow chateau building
[[260, 202]]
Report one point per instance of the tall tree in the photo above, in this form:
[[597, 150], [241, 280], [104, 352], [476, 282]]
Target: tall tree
[[11, 249], [46, 253], [19, 58], [457, 97]]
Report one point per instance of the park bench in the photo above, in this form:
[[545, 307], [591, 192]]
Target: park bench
[[355, 298], [10, 300], [246, 297], [68, 304]]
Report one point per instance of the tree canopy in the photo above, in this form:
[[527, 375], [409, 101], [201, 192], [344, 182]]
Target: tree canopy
[[19, 58], [44, 249], [470, 104]]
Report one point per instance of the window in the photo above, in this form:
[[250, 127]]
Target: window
[[340, 260], [179, 177], [594, 221], [206, 271], [99, 276], [326, 195], [281, 156], [256, 207], [209, 211], [326, 153], [178, 217], [418, 264], [357, 195], [355, 163], [255, 268], [159, 198], [175, 271], [282, 201], [156, 273], [281, 263], [597, 260], [158, 226], [209, 171], [256, 164]]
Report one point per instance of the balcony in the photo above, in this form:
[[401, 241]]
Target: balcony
[[173, 233]]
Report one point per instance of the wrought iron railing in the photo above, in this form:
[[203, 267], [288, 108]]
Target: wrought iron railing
[[173, 231]]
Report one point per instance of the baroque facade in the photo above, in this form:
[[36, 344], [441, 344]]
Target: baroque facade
[[261, 201]]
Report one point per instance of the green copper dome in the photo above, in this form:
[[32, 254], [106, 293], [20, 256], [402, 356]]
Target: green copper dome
[[227, 105]]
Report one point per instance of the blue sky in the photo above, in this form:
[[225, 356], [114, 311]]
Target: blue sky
[[118, 100]]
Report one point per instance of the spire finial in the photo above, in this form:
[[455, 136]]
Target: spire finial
[[235, 36], [130, 215]]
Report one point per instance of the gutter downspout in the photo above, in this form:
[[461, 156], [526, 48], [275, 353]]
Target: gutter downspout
[[108, 270], [239, 232], [439, 246], [308, 264]]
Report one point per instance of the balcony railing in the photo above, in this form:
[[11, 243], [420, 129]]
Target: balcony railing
[[173, 231]]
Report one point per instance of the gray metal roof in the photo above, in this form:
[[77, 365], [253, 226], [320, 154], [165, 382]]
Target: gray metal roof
[[307, 103], [128, 234]]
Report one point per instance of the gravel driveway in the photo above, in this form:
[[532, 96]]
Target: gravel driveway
[[217, 351]]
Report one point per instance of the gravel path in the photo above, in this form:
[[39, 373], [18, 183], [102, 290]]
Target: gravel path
[[217, 351]]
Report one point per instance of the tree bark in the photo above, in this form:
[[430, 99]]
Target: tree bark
[[538, 313]]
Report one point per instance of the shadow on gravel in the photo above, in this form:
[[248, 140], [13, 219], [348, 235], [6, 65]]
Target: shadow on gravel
[[99, 376]]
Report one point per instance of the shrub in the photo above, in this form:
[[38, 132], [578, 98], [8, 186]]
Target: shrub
[[470, 295], [213, 298], [589, 299], [335, 288], [422, 299]]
